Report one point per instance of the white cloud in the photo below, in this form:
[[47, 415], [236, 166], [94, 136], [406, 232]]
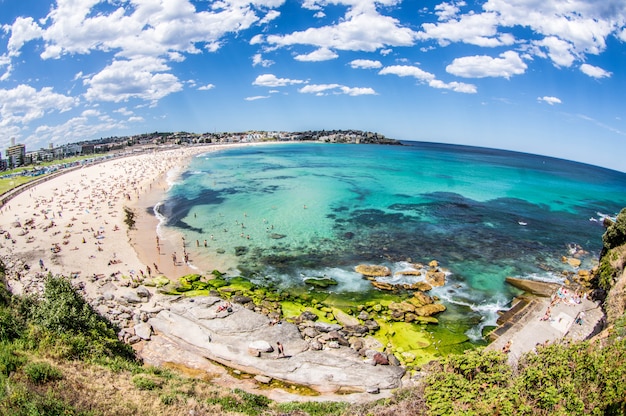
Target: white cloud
[[407, 71], [271, 15], [475, 29], [73, 130], [321, 54], [549, 100], [24, 104], [318, 89], [361, 30], [508, 64], [594, 71], [124, 111], [270, 80], [453, 86], [427, 78], [446, 11], [559, 50], [323, 89], [257, 59], [257, 97], [366, 64], [90, 113], [206, 87], [358, 91], [23, 30], [143, 78]]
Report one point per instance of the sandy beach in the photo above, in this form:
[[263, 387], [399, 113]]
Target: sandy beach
[[74, 225]]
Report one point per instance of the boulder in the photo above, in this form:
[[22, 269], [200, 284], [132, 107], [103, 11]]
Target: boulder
[[142, 292], [242, 300], [261, 346], [372, 325], [402, 307], [429, 310], [573, 262], [373, 270], [433, 264], [344, 319], [310, 332], [320, 282], [422, 286], [263, 379], [383, 285], [420, 299], [307, 316], [380, 359], [325, 327], [143, 330], [435, 278]]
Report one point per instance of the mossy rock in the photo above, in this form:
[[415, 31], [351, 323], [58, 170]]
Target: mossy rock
[[161, 281], [192, 277], [403, 335], [217, 283], [241, 283], [320, 282], [197, 292]]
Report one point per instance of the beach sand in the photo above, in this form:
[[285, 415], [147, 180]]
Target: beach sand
[[75, 224]]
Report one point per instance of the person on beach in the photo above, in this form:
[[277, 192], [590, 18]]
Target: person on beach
[[174, 258], [507, 347], [547, 314]]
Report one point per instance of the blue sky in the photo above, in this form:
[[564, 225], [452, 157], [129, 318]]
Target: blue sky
[[538, 76]]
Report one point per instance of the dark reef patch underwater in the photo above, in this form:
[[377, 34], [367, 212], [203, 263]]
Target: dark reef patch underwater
[[482, 214]]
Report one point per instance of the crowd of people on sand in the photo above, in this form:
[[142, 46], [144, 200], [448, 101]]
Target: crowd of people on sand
[[567, 297], [76, 218]]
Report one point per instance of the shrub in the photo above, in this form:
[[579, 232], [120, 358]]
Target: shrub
[[10, 325], [42, 372], [615, 234], [143, 382], [10, 359]]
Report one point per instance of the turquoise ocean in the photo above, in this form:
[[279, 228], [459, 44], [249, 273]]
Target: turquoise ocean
[[282, 212]]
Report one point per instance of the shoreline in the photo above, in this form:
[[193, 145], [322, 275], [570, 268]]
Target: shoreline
[[82, 214]]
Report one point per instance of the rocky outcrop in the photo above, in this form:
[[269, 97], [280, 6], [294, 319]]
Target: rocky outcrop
[[534, 287], [372, 270]]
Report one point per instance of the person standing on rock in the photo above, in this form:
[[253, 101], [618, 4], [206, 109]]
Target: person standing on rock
[[281, 350]]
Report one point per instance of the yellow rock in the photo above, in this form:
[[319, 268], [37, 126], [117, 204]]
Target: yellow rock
[[573, 262], [372, 270], [434, 264]]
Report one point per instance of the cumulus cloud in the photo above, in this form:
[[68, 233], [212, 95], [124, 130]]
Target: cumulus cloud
[[322, 54], [365, 30], [594, 71], [480, 66], [271, 80], [366, 64], [454, 86], [257, 59], [23, 30], [206, 87], [475, 29], [24, 104], [143, 78], [407, 71], [549, 100]]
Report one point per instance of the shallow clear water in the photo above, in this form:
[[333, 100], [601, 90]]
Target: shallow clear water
[[281, 212]]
